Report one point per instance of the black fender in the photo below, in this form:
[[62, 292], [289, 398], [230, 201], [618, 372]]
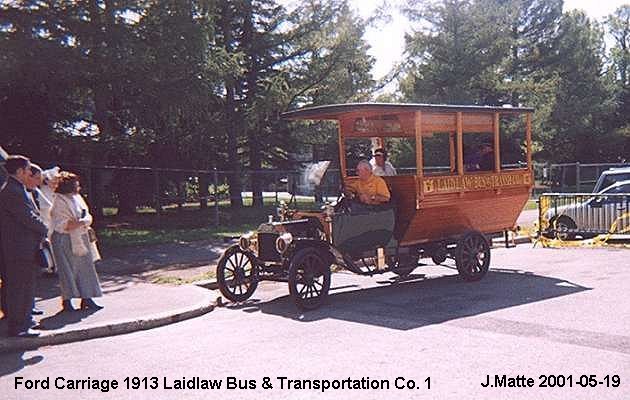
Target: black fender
[[302, 243], [253, 256]]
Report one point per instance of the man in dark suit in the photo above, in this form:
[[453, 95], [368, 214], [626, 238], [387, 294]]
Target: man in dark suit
[[21, 233], [3, 290]]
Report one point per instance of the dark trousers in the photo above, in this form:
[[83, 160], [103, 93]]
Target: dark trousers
[[20, 285], [3, 290]]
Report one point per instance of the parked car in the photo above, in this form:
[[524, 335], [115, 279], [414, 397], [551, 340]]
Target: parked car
[[611, 176], [586, 216]]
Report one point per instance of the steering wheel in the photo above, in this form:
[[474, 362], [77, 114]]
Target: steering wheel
[[343, 202]]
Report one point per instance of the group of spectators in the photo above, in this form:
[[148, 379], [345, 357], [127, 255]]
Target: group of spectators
[[44, 222]]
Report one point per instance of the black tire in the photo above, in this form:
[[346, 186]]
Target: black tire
[[237, 274], [438, 256], [561, 226], [400, 265], [309, 278], [473, 256]]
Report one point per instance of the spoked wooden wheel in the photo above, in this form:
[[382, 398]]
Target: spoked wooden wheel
[[236, 274], [473, 256], [309, 278]]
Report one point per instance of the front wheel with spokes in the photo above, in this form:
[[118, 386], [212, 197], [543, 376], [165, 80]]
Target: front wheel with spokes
[[309, 278], [473, 256], [236, 274]]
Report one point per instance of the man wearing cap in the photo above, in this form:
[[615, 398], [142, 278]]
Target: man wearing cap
[[380, 165]]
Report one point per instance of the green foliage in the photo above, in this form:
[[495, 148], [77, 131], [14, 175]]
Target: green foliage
[[402, 152], [583, 98], [201, 83], [169, 83], [619, 27], [526, 52], [453, 55]]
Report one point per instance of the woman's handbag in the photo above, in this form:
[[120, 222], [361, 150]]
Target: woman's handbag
[[46, 259], [93, 248], [92, 235]]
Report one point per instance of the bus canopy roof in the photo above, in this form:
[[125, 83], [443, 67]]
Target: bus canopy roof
[[335, 111]]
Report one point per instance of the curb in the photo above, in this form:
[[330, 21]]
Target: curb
[[116, 328]]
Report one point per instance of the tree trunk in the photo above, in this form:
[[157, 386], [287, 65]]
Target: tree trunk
[[126, 188], [255, 151], [181, 193], [96, 194], [233, 179], [257, 178], [204, 182]]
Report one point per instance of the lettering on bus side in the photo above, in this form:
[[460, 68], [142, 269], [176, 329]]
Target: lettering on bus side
[[474, 182]]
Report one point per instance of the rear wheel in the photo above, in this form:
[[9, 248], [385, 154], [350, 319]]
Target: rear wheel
[[309, 278], [236, 274], [473, 256]]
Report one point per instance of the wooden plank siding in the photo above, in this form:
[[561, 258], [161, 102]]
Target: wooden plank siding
[[438, 207], [486, 202]]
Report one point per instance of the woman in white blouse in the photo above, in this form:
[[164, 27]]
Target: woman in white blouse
[[74, 253], [48, 187]]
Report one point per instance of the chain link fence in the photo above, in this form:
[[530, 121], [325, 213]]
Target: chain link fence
[[570, 177], [116, 190]]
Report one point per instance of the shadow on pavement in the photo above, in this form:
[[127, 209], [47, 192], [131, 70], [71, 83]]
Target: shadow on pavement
[[416, 302], [47, 286], [62, 319], [165, 257], [14, 362]]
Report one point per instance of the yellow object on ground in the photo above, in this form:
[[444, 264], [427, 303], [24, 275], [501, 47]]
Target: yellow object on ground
[[598, 241]]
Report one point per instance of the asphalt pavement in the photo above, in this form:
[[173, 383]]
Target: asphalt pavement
[[557, 316]]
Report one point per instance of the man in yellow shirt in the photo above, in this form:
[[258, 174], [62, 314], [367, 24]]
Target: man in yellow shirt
[[369, 188]]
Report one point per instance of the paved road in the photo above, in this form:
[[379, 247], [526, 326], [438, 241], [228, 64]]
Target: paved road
[[541, 311]]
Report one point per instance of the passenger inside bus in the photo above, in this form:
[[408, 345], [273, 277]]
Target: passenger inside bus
[[380, 165], [482, 159]]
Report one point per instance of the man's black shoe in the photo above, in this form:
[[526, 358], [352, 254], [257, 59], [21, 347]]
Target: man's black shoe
[[24, 334], [37, 311]]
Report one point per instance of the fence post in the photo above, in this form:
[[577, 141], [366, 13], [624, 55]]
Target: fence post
[[158, 202], [578, 177], [216, 196], [275, 184]]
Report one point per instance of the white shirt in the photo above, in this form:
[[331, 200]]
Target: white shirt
[[387, 170], [45, 208]]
